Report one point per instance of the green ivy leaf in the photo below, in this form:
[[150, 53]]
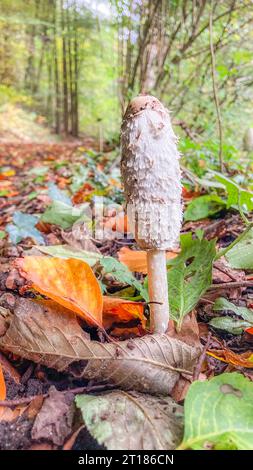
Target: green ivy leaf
[[190, 275], [219, 414]]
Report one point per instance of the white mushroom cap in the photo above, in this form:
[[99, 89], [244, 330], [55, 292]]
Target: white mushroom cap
[[151, 173]]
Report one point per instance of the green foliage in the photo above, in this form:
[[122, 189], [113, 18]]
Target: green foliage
[[121, 273], [66, 252], [57, 195], [237, 196], [219, 414], [241, 255], [24, 226], [189, 275], [232, 325], [62, 214], [204, 206]]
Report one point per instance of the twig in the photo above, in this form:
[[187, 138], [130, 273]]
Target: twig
[[215, 92], [27, 400], [202, 356]]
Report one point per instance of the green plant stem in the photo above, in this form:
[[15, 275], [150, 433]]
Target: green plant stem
[[237, 240]]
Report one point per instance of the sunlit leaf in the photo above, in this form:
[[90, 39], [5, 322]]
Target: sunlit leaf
[[57, 195], [136, 260], [2, 385], [69, 282], [116, 310], [228, 356]]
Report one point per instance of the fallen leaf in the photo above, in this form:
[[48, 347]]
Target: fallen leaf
[[69, 282], [136, 260], [232, 325], [219, 414], [83, 193], [57, 195], [116, 310], [80, 238], [43, 334], [132, 421], [62, 214], [2, 385], [189, 332], [118, 223], [67, 252], [54, 421]]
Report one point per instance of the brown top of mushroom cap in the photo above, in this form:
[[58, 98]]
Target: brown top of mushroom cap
[[142, 102]]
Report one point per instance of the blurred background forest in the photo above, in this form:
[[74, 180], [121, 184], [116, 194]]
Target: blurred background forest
[[73, 65]]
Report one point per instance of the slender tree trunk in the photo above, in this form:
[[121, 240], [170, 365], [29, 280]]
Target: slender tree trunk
[[65, 72], [75, 110], [56, 74]]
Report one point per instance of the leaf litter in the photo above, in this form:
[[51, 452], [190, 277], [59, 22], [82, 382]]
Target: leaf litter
[[64, 342]]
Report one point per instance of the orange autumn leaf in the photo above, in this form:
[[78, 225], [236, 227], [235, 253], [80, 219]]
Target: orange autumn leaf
[[136, 261], [249, 330], [188, 195], [118, 223], [83, 193], [228, 356], [2, 385], [69, 282], [116, 310]]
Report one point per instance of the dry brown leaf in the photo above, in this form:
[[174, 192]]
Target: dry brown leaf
[[70, 282], [54, 421], [9, 369], [136, 260], [189, 332], [44, 335]]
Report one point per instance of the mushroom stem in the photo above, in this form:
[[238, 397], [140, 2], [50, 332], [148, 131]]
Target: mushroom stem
[[158, 290]]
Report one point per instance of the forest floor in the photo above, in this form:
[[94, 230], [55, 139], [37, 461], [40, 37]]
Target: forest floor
[[55, 179]]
